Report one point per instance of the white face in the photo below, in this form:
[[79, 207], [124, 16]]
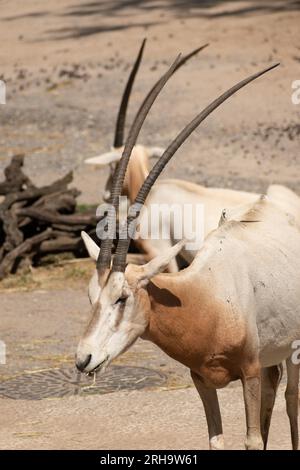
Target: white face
[[120, 312], [116, 322]]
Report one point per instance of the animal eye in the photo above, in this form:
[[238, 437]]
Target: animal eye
[[121, 300]]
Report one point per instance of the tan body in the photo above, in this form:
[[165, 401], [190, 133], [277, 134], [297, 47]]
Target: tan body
[[215, 310], [223, 335], [186, 333], [219, 316]]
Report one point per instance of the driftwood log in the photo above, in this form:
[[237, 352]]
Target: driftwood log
[[37, 221]]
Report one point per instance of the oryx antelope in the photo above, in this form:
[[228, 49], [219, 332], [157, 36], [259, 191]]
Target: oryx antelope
[[232, 314], [173, 192]]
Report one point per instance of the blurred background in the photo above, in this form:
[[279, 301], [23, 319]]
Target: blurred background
[[65, 64]]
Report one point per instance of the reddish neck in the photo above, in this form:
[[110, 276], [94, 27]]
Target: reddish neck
[[175, 323]]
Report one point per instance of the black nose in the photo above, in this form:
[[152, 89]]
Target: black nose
[[81, 365]]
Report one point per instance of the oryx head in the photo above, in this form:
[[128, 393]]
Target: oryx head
[[112, 157], [118, 293]]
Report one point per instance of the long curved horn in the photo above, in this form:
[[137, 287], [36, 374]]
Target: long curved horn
[[104, 258], [123, 244], [120, 124], [182, 61]]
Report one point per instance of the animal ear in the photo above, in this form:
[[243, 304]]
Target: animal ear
[[155, 152], [92, 248], [94, 288], [104, 159], [159, 263]]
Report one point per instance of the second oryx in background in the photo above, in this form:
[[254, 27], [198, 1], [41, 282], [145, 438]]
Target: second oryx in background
[[170, 193]]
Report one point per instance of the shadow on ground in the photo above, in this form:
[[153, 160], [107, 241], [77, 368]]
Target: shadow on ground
[[123, 13]]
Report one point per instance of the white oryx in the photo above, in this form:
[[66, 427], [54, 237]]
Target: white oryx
[[173, 193], [233, 314]]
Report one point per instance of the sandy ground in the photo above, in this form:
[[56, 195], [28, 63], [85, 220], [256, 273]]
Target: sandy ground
[[65, 63], [169, 416], [134, 420]]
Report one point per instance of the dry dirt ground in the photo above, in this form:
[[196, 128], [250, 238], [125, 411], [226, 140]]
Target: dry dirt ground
[[42, 406], [65, 63]]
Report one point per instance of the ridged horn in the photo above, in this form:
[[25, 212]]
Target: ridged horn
[[120, 124], [104, 258], [182, 61]]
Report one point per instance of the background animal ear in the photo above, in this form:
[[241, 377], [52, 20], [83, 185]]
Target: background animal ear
[[104, 159], [159, 263], [92, 248], [155, 152]]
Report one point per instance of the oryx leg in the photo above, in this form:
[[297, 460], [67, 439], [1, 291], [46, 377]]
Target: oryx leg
[[210, 401], [270, 379], [291, 397], [251, 380]]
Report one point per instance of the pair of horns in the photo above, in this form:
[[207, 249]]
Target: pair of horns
[[104, 259], [120, 124], [119, 262]]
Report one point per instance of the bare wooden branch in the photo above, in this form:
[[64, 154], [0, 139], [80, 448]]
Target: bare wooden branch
[[31, 194], [15, 179], [35, 222], [58, 245], [53, 218], [28, 245], [70, 228], [14, 236], [60, 201]]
